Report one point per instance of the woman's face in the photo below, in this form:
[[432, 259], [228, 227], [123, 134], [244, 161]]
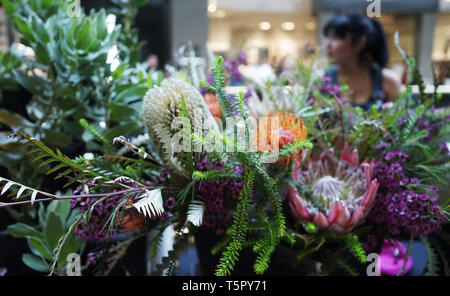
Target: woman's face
[[341, 50]]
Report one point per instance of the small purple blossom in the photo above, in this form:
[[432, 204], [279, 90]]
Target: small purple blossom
[[328, 87], [73, 203], [170, 202], [250, 91], [380, 147], [242, 58], [91, 258], [401, 120], [400, 156], [238, 170], [165, 216]]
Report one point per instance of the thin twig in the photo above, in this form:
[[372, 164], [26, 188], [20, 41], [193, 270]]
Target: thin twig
[[54, 197]]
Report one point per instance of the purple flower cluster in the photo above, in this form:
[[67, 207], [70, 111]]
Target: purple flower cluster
[[91, 229], [397, 206], [433, 127], [209, 80], [162, 178], [219, 196], [94, 257], [250, 91], [232, 67], [327, 87]]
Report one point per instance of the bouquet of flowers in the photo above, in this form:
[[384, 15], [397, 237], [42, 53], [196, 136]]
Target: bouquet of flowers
[[282, 170]]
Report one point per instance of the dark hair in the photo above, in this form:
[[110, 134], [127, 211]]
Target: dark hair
[[357, 25]]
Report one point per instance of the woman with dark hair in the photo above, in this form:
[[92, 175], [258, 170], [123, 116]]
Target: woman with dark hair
[[358, 48]]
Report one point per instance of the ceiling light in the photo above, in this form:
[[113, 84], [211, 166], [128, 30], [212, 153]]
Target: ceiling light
[[265, 26], [212, 7], [288, 26]]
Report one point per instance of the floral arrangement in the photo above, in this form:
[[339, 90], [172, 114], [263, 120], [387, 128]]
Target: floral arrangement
[[296, 169]]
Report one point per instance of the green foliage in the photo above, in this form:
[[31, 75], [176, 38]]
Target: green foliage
[[56, 221], [264, 248], [71, 77], [8, 62], [347, 267], [442, 257], [239, 228], [432, 259], [253, 168], [90, 129], [356, 248], [311, 228], [296, 147], [214, 175], [81, 174], [168, 266], [219, 87]]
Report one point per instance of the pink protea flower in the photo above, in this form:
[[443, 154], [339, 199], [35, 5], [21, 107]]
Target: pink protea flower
[[343, 187]]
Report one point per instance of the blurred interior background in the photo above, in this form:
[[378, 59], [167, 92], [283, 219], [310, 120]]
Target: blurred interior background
[[270, 31]]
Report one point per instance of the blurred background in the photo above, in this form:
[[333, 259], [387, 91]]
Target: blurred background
[[271, 31]]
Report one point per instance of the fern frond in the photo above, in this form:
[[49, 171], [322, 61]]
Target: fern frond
[[411, 121], [432, 259], [219, 86], [239, 227], [442, 256], [168, 266], [92, 131], [221, 245], [349, 269], [213, 175], [151, 203], [264, 248], [296, 147], [208, 86], [195, 213], [56, 156], [187, 136], [22, 188], [355, 247], [126, 161], [156, 241]]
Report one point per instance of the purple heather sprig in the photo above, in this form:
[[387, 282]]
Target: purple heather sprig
[[215, 193], [398, 206], [327, 87]]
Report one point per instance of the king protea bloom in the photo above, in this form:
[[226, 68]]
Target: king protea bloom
[[290, 130], [343, 188]]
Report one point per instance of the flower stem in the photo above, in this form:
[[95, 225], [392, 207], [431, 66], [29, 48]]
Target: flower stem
[[54, 197]]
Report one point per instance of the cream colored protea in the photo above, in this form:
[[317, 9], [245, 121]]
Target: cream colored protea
[[162, 106], [275, 99]]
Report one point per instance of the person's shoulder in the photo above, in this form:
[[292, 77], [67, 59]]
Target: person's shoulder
[[391, 83], [390, 77]]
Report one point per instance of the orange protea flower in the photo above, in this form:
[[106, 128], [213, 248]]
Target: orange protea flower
[[290, 130], [213, 104], [131, 222]]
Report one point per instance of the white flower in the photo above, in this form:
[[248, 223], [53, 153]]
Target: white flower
[[162, 108]]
